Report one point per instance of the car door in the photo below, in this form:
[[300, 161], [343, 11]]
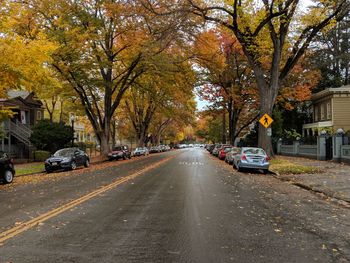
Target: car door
[[79, 157]]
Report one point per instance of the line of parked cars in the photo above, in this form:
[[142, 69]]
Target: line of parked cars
[[73, 157], [241, 158]]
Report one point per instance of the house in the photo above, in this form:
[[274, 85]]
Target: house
[[28, 110], [330, 111]]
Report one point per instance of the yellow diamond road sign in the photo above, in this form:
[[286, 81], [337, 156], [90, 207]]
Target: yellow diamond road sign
[[266, 120]]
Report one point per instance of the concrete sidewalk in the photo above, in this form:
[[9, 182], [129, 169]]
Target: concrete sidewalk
[[334, 181]]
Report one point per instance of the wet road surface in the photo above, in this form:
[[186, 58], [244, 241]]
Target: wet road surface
[[189, 208]]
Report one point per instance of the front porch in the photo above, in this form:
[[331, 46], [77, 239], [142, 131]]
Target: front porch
[[313, 129]]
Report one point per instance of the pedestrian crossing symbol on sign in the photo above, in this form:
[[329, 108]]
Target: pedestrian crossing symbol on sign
[[266, 120]]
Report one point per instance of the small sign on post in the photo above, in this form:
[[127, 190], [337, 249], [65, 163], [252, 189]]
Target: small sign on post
[[266, 120], [269, 132]]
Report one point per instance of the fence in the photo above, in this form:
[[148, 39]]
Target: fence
[[335, 148], [308, 151], [345, 153]]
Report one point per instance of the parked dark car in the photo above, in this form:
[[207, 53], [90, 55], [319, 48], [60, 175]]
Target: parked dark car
[[7, 170], [120, 152], [67, 159]]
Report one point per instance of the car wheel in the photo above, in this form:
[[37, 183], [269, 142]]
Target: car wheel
[[265, 171], [239, 169], [8, 177], [124, 157], [130, 156], [48, 170], [87, 163], [73, 165]]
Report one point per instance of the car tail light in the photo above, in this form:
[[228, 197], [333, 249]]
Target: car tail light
[[268, 158], [244, 158]]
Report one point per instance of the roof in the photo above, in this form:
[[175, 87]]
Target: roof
[[331, 91], [18, 93], [21, 97]]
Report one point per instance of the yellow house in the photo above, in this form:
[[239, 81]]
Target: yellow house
[[330, 111]]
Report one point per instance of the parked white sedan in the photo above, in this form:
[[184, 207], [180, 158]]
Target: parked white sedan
[[251, 158], [141, 151]]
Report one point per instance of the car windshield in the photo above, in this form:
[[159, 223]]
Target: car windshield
[[118, 148], [227, 149], [64, 152], [257, 151], [235, 150]]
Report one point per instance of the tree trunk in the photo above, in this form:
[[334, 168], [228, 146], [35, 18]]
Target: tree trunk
[[113, 132], [223, 127], [61, 110], [141, 140], [230, 121], [104, 143], [266, 107]]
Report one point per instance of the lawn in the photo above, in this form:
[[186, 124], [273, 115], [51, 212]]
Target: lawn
[[282, 166], [29, 168]]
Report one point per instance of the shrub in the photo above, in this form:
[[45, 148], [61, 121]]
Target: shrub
[[50, 136], [81, 145], [41, 156]]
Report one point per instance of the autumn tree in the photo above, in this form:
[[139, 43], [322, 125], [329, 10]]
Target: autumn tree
[[103, 47], [161, 91], [209, 126], [22, 62], [228, 79], [274, 35]]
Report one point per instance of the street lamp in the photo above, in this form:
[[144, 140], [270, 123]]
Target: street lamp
[[72, 119]]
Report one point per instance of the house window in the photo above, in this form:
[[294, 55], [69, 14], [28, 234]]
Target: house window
[[316, 113], [38, 115], [322, 113], [329, 110]]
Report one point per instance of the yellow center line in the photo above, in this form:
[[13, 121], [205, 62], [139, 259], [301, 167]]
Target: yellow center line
[[14, 231]]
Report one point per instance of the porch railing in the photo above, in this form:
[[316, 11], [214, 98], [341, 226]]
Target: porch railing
[[19, 130]]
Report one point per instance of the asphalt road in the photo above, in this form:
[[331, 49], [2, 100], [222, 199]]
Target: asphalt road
[[184, 206]]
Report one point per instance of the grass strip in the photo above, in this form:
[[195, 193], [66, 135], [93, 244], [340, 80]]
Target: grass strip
[[285, 167], [30, 168]]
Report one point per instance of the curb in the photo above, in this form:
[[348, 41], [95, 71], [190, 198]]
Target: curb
[[44, 172], [335, 199]]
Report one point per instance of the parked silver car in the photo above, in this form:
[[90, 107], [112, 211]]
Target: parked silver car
[[141, 151], [251, 158], [231, 154]]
